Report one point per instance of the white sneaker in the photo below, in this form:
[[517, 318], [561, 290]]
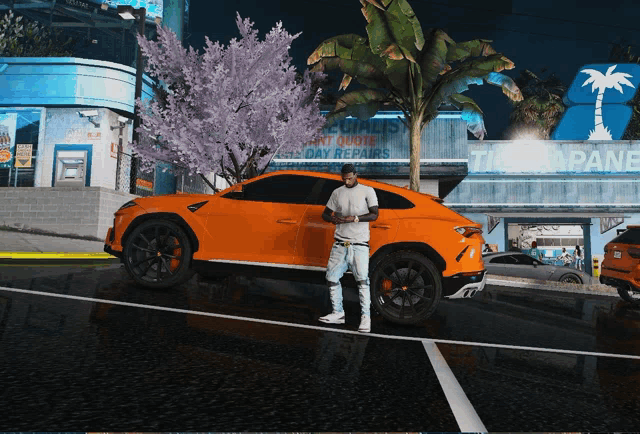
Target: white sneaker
[[333, 318], [365, 324]]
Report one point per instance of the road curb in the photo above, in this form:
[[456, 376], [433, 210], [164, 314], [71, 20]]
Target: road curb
[[54, 255], [609, 291]]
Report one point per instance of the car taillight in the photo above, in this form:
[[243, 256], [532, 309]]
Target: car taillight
[[467, 231], [634, 252]]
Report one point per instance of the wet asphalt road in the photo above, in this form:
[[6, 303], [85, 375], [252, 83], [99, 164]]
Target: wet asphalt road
[[81, 365]]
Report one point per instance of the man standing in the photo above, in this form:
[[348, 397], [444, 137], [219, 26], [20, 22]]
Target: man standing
[[355, 205]]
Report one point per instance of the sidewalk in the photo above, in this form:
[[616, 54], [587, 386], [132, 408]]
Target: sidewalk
[[22, 247], [19, 244]]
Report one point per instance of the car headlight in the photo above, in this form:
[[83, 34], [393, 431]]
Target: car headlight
[[127, 205], [467, 231]]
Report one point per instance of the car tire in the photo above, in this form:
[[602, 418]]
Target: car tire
[[571, 278], [157, 254], [628, 295], [423, 286]]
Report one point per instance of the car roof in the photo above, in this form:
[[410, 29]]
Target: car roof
[[389, 187]]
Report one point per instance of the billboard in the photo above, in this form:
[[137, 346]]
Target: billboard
[[153, 7], [597, 101], [8, 123]]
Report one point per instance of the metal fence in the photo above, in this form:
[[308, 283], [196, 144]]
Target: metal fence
[[145, 182]]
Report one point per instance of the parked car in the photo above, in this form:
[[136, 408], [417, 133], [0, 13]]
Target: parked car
[[521, 265], [271, 225], [621, 265]]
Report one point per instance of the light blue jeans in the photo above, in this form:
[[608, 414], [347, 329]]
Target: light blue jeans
[[355, 258]]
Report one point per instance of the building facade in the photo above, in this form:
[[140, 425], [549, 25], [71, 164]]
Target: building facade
[[557, 193]]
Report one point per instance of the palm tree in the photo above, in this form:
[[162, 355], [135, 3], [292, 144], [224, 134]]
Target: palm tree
[[541, 108], [603, 82], [618, 54], [404, 68]]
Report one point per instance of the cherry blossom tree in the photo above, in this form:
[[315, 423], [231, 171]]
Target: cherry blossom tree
[[229, 110]]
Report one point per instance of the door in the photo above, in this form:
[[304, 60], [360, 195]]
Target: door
[[317, 236], [261, 224]]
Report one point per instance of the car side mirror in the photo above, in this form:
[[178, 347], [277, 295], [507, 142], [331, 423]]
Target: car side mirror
[[237, 193]]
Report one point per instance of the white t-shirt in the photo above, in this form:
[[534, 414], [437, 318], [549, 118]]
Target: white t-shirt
[[351, 202]]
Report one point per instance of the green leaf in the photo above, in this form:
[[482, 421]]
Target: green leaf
[[381, 40], [338, 46], [364, 73], [433, 57], [397, 73], [471, 113], [362, 104], [464, 50]]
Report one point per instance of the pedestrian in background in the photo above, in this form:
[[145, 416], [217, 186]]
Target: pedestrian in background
[[535, 252], [579, 258], [565, 257]]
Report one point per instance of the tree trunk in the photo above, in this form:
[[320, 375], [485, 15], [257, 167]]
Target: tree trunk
[[415, 131]]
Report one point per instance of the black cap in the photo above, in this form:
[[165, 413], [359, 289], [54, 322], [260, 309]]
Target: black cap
[[348, 168]]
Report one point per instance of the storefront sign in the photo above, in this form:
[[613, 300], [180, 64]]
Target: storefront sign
[[607, 223], [597, 101], [7, 138], [23, 154], [114, 150], [350, 138], [144, 184], [549, 157]]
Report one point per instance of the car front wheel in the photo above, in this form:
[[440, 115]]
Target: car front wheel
[[628, 295], [157, 254], [571, 278], [406, 287]]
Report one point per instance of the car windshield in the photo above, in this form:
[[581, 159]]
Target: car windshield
[[630, 236]]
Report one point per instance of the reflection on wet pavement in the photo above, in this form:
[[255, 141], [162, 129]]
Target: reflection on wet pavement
[[68, 364]]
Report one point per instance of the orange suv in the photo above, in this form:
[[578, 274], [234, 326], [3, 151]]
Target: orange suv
[[272, 226], [621, 265]]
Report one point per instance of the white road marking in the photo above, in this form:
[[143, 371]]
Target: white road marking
[[310, 327], [466, 416]]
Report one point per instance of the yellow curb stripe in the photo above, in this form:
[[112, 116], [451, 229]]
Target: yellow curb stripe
[[54, 255]]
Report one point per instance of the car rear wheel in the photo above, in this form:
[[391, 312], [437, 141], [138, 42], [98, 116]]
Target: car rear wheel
[[406, 287], [628, 295], [571, 278], [157, 254]]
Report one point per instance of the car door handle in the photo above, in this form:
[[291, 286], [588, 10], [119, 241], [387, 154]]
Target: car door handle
[[382, 226], [287, 221]]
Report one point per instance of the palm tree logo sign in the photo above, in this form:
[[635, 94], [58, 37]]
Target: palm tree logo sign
[[602, 83]]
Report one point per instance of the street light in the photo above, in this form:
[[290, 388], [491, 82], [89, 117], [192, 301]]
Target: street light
[[128, 12]]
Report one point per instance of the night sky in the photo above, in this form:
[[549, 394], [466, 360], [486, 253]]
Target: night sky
[[558, 35]]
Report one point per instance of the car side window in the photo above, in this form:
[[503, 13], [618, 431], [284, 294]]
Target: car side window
[[630, 236], [279, 189], [524, 259], [498, 260], [325, 191], [509, 259], [388, 200]]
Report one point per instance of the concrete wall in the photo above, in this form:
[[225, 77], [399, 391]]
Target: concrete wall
[[63, 126], [64, 210]]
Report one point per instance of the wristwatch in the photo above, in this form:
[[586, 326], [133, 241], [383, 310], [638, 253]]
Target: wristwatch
[[356, 220]]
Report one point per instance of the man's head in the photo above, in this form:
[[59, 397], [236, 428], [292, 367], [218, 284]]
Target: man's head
[[534, 245], [349, 176], [564, 250]]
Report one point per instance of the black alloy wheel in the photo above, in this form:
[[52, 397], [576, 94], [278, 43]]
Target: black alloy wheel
[[628, 295], [406, 287], [571, 278], [157, 254]]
